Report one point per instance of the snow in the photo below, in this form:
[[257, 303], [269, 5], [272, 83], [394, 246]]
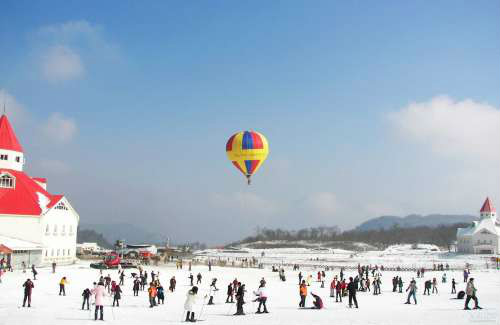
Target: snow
[[388, 308]]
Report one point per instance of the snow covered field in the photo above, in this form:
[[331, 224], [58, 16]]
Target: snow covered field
[[388, 308]]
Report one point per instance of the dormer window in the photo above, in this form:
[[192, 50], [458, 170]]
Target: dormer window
[[7, 181], [4, 157]]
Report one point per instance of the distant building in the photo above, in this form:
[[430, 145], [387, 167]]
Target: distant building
[[483, 236], [39, 222]]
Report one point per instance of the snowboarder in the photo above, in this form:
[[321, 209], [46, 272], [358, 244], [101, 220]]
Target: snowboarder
[[213, 289], [318, 302], [28, 289], [303, 294], [189, 304], [117, 294], [351, 288], [99, 292], [470, 291], [62, 285], [86, 296], [413, 292]]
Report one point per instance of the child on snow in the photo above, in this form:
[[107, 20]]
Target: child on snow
[[189, 304]]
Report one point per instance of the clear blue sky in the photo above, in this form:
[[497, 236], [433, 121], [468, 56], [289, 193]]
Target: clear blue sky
[[145, 94]]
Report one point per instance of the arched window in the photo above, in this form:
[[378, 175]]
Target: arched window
[[71, 229], [58, 251], [63, 230], [7, 181], [55, 230], [47, 230], [52, 253]]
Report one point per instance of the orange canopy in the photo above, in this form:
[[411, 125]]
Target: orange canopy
[[5, 250]]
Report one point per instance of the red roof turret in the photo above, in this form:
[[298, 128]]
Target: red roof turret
[[487, 206], [8, 139]]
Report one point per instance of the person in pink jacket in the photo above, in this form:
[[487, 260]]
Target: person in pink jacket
[[99, 292]]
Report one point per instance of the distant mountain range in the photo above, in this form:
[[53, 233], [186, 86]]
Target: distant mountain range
[[132, 234], [414, 220]]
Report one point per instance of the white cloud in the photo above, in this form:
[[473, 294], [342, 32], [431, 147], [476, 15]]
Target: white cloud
[[62, 49], [458, 129], [60, 63], [322, 204], [59, 128]]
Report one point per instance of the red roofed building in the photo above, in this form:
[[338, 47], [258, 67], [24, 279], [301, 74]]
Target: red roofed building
[[28, 211], [482, 236]]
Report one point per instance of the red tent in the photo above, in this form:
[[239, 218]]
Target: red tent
[[5, 250]]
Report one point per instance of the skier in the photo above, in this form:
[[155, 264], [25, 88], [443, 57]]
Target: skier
[[413, 291], [189, 304], [318, 303], [471, 294], [303, 294], [453, 286], [33, 270], [213, 289], [300, 278], [152, 295], [117, 294], [240, 299], [198, 278], [262, 297], [99, 292], [86, 296], [191, 278], [62, 284], [351, 288], [160, 294], [230, 293], [28, 289]]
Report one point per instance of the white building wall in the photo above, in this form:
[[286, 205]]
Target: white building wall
[[59, 229], [11, 162], [21, 227]]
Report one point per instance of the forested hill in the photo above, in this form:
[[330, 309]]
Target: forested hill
[[414, 220], [441, 236]]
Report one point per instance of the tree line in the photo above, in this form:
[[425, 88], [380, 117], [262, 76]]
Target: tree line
[[442, 236]]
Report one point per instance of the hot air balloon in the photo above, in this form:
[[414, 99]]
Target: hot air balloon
[[247, 150]]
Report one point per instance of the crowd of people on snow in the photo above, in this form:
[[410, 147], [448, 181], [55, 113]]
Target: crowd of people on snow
[[367, 279]]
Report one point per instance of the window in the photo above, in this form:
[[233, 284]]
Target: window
[[18, 159], [58, 251], [52, 253], [63, 252], [46, 252], [63, 230], [6, 181], [55, 230], [4, 157], [70, 229], [47, 231]]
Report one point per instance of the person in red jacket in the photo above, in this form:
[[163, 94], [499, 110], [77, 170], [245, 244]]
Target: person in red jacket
[[338, 291], [332, 287], [318, 302]]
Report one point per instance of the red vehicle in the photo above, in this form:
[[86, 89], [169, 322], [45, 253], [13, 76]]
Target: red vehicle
[[112, 261]]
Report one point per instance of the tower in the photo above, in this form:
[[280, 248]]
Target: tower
[[488, 211], [11, 152]]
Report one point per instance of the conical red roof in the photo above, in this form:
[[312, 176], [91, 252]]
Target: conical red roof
[[487, 206], [8, 139]]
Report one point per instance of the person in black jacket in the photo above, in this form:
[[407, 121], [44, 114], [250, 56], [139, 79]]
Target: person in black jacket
[[229, 293], [239, 299], [28, 288], [117, 295], [351, 288], [86, 296]]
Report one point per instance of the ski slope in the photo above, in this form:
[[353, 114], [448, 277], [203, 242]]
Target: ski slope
[[388, 308]]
